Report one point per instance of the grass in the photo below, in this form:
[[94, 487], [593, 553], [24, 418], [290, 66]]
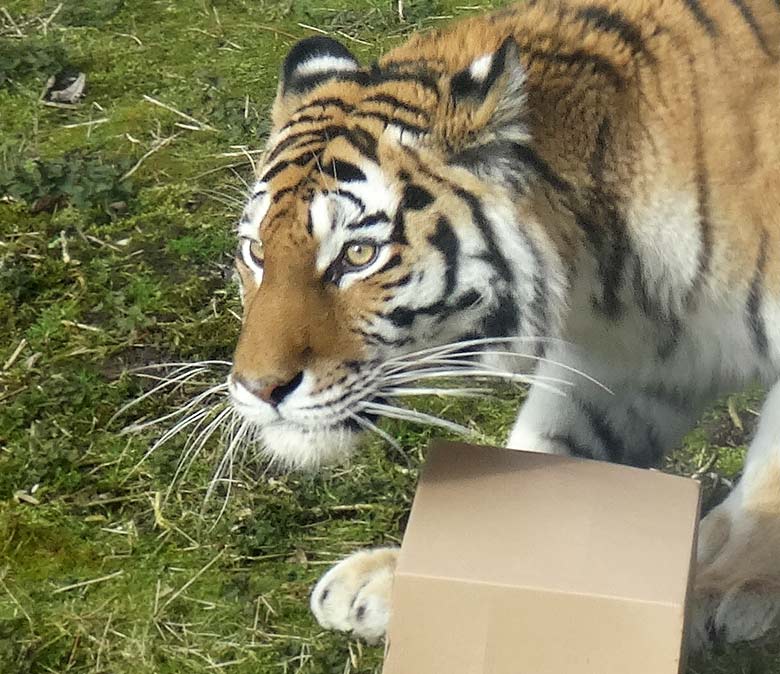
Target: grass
[[116, 221]]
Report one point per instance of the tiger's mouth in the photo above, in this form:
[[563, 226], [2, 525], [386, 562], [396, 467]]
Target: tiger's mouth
[[312, 427], [291, 435]]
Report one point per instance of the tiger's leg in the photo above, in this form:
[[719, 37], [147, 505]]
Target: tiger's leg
[[739, 541], [623, 418]]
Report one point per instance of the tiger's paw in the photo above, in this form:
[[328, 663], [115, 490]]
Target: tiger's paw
[[354, 596], [742, 615]]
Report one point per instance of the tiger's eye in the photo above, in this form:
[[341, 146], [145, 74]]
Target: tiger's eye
[[359, 254], [256, 251]]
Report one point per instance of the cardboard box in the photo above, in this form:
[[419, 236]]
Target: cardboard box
[[522, 563]]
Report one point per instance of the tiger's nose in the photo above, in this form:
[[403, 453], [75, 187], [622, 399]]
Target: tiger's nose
[[271, 392]]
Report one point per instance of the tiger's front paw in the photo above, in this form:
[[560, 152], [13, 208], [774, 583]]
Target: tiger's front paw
[[354, 596]]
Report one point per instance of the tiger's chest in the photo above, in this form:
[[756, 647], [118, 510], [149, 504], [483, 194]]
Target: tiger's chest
[[666, 304]]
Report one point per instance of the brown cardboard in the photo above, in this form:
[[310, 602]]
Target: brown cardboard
[[523, 563]]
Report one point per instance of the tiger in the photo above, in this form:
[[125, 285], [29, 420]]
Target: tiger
[[576, 191]]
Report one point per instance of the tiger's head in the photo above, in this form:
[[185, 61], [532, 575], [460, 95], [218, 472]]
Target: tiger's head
[[384, 220]]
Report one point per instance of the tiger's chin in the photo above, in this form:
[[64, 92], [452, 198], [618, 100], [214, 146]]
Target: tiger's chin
[[293, 447]]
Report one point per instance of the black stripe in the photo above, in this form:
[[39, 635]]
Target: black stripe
[[296, 144], [343, 171], [370, 220], [702, 18], [466, 300], [668, 326], [675, 399], [529, 157], [328, 101], [671, 331], [503, 320], [392, 263], [351, 197], [404, 280], [498, 66], [282, 192], [648, 452], [401, 317], [398, 235], [537, 309], [306, 83], [702, 194], [398, 103], [387, 121], [755, 297], [301, 119], [376, 338], [611, 442], [496, 258], [359, 138], [416, 198], [615, 22], [363, 141], [300, 160], [574, 447], [599, 155], [750, 20], [612, 255], [611, 267], [578, 59], [392, 76], [446, 242]]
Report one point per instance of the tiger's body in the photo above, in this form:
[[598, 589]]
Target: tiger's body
[[595, 179]]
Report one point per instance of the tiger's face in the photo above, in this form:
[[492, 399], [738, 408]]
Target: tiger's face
[[367, 238]]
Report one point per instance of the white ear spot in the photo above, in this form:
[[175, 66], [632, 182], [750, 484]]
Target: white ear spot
[[322, 64], [481, 67]]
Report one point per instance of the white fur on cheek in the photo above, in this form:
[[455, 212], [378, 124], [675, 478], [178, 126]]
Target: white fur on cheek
[[257, 270], [255, 210]]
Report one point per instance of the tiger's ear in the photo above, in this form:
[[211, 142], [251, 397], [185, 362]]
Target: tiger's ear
[[310, 62], [487, 99]]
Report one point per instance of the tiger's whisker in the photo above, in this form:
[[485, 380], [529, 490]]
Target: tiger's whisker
[[214, 390], [177, 381], [185, 463], [485, 374], [413, 415], [455, 359], [180, 426], [227, 459], [373, 428], [396, 391], [180, 365], [455, 346]]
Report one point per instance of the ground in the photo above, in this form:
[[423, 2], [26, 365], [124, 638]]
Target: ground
[[116, 219]]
